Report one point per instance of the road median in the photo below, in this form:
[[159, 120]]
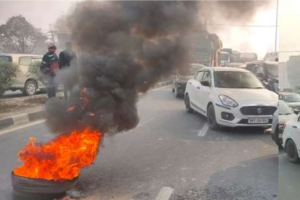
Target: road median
[[20, 111]]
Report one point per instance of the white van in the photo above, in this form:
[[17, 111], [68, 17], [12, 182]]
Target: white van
[[28, 83], [272, 56]]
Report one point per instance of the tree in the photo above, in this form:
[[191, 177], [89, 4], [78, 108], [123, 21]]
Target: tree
[[7, 74], [19, 36]]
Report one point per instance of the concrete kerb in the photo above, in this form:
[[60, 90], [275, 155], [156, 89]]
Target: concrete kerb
[[22, 119], [25, 118]]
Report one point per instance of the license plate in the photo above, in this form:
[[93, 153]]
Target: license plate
[[258, 120]]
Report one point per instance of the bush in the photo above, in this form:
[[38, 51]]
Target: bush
[[34, 69], [8, 72]]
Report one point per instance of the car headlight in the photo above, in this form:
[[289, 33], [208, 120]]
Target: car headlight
[[227, 101]]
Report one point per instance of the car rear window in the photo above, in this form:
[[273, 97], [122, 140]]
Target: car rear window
[[5, 59]]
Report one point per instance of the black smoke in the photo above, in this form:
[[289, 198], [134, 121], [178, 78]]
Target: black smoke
[[125, 49]]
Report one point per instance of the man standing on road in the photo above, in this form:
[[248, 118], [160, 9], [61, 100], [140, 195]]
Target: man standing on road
[[49, 68], [66, 58]]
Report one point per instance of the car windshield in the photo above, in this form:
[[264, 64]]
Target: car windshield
[[284, 109], [272, 69], [292, 98], [236, 79]]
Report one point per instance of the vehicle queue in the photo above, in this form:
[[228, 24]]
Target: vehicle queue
[[246, 96]]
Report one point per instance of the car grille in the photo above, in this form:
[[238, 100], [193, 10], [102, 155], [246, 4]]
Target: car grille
[[258, 110]]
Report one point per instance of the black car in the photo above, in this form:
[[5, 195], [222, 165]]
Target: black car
[[267, 72], [179, 81]]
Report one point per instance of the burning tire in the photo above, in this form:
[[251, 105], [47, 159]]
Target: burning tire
[[41, 186]]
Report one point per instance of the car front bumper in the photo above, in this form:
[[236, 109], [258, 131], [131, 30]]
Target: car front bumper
[[239, 119]]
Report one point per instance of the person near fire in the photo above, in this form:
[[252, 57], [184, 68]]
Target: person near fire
[[49, 68], [66, 59]]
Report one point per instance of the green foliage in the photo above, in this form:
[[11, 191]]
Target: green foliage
[[34, 69], [8, 72], [19, 36]]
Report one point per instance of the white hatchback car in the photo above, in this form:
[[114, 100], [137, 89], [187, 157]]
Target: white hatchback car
[[230, 97], [291, 140]]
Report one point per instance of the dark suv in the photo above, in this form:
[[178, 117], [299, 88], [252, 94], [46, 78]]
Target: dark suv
[[179, 81], [266, 72]]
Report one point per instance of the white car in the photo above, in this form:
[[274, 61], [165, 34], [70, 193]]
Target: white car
[[291, 140], [230, 97], [283, 115]]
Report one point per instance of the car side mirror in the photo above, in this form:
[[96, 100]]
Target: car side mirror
[[205, 83], [296, 111]]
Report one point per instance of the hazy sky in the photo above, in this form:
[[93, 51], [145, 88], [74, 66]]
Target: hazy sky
[[261, 40], [289, 28], [40, 13]]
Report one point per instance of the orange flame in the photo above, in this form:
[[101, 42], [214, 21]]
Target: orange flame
[[61, 158], [70, 109]]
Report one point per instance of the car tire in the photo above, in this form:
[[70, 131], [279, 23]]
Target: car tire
[[173, 90], [275, 137], [187, 103], [177, 95], [211, 118], [291, 151], [1, 93], [30, 88]]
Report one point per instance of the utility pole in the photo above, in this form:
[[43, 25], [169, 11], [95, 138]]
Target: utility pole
[[276, 28], [52, 34]]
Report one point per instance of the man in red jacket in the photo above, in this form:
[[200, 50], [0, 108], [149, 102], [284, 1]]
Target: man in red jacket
[[49, 67]]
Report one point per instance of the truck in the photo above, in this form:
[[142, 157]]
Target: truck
[[205, 48], [247, 57]]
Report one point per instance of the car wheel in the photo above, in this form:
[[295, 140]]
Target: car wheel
[[275, 137], [173, 90], [1, 92], [177, 95], [188, 104], [30, 88], [211, 118], [291, 151]]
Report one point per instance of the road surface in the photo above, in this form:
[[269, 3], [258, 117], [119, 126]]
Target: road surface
[[289, 173], [170, 155]]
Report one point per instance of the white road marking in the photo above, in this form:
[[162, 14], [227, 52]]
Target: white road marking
[[165, 193], [204, 130], [21, 127]]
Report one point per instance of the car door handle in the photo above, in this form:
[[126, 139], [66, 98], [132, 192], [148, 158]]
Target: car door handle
[[198, 87], [295, 127], [190, 83]]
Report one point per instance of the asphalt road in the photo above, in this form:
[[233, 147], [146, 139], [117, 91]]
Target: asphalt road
[[170, 148], [289, 173]]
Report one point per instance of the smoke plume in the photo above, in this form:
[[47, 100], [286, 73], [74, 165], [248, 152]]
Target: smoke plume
[[238, 11], [125, 48]]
